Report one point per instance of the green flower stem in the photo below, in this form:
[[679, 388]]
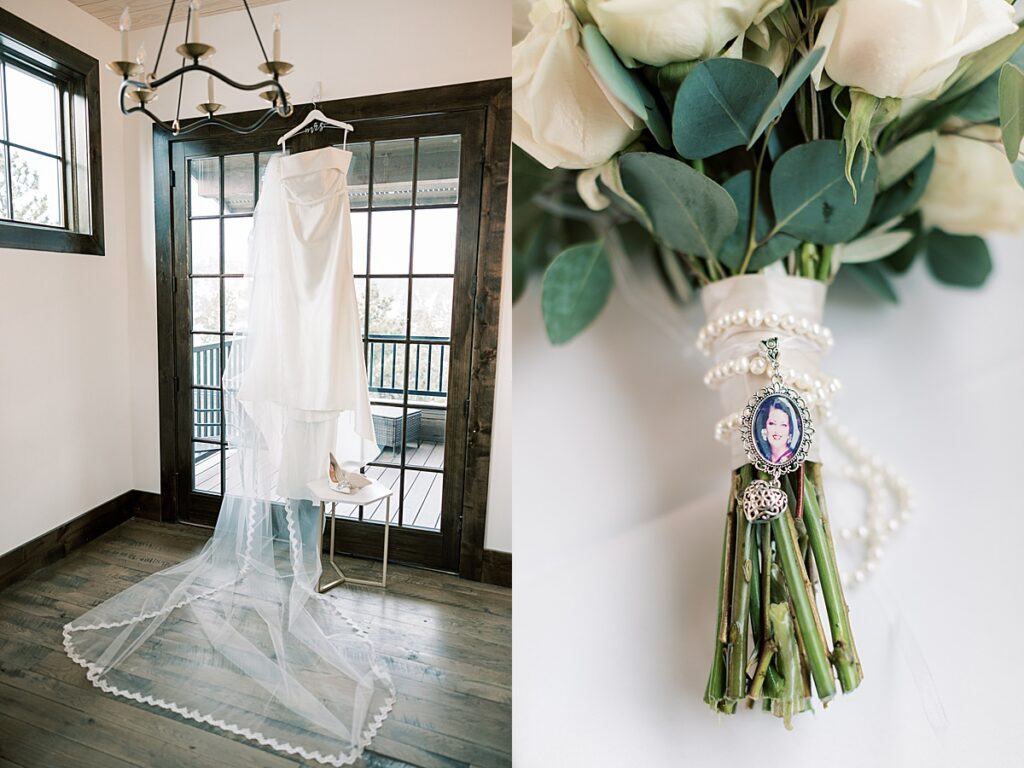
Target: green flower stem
[[715, 691], [762, 669], [788, 701], [752, 235], [844, 653], [736, 671], [825, 267], [801, 593]]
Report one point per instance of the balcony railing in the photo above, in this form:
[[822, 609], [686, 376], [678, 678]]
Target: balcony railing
[[428, 374]]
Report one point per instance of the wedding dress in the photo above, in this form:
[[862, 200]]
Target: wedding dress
[[237, 636]]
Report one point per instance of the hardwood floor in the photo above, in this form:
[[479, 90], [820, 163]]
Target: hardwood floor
[[447, 643]]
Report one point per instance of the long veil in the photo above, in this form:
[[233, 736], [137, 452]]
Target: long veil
[[237, 636]]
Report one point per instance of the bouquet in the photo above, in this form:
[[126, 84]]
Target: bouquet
[[752, 151]]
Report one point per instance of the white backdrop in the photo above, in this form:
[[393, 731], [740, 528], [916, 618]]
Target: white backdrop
[[620, 494]]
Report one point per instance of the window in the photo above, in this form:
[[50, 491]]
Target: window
[[50, 187]]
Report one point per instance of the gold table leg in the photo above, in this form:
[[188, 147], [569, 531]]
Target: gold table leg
[[342, 578]]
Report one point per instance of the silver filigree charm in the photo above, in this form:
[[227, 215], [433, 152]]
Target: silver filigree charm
[[764, 500], [776, 433]]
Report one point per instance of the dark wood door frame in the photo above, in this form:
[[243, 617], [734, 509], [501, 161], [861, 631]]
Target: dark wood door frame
[[482, 300]]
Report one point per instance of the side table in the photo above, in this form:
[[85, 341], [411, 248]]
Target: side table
[[322, 492]]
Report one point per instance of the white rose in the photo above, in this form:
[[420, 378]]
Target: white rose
[[562, 114], [904, 48], [972, 190], [661, 31]]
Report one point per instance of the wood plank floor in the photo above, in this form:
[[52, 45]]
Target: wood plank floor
[[421, 502], [446, 642]]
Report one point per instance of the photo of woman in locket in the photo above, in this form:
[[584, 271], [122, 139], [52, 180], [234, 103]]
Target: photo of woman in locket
[[777, 430]]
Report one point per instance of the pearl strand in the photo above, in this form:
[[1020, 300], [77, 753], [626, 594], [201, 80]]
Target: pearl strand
[[878, 479], [757, 365], [756, 318]]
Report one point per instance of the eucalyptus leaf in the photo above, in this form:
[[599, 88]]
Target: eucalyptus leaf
[[961, 260], [871, 276], [901, 159], [981, 105], [719, 105], [1011, 104], [811, 197], [790, 85], [904, 258], [575, 290], [740, 188], [872, 247], [905, 194], [689, 212], [625, 84]]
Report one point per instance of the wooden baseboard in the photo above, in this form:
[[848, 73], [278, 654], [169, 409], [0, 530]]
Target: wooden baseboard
[[146, 504], [56, 544], [497, 568]]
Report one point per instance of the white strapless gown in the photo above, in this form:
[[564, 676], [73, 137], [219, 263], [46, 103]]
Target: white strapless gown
[[305, 380]]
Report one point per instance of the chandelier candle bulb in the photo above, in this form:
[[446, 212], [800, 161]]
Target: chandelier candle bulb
[[277, 38], [209, 89], [194, 6], [125, 26]]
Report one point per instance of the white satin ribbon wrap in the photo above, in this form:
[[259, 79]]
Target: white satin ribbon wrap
[[783, 295]]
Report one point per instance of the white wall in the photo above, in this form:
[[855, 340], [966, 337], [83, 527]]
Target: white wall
[[352, 49], [66, 442]]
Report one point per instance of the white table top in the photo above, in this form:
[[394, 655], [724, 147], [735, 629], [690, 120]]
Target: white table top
[[322, 491]]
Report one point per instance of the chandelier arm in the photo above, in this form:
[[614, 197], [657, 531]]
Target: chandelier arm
[[272, 83], [210, 119], [163, 38], [254, 29]]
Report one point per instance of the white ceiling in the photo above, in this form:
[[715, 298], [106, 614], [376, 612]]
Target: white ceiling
[[153, 13]]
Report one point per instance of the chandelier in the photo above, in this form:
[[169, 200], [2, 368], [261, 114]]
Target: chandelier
[[141, 87]]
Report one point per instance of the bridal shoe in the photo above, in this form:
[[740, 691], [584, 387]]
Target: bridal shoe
[[343, 481]]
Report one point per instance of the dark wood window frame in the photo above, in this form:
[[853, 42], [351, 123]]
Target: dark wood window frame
[[493, 99], [77, 76]]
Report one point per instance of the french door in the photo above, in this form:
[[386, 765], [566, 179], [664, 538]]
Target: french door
[[415, 191]]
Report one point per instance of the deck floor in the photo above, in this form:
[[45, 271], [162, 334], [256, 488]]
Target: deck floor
[[445, 641], [421, 504]]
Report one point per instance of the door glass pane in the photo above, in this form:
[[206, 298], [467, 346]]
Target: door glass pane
[[388, 297], [206, 467], [421, 503], [359, 220], [392, 173], [236, 301], [32, 111], [239, 184], [36, 182], [206, 363], [236, 244], [5, 211], [434, 241], [437, 172], [206, 413], [205, 247], [205, 303], [428, 450], [359, 174], [204, 186], [385, 369], [361, 299], [389, 242], [429, 364], [431, 307]]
